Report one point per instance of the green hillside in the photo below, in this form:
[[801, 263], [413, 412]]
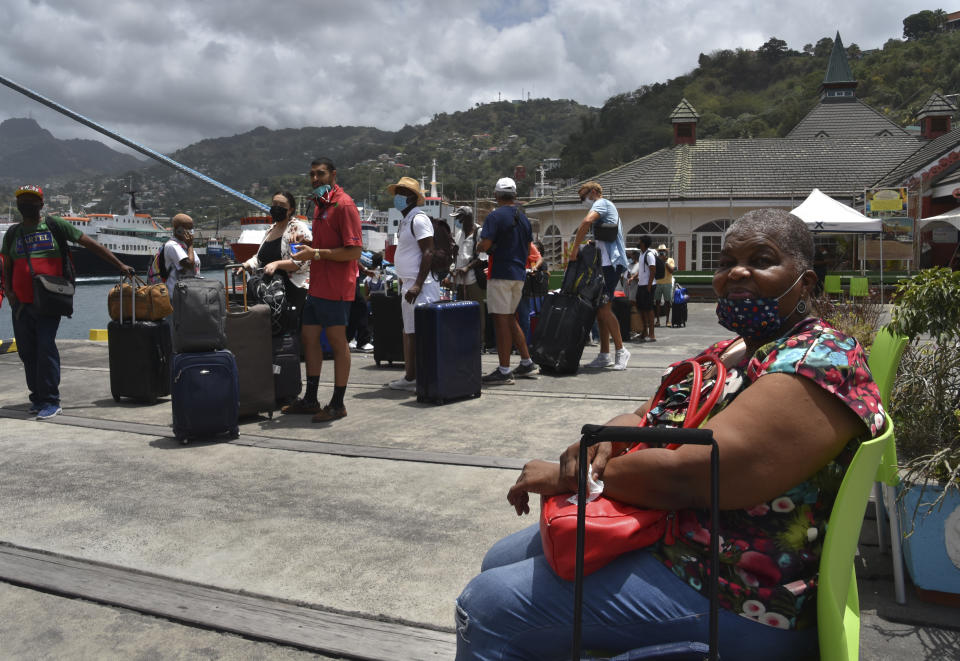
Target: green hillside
[[761, 93]]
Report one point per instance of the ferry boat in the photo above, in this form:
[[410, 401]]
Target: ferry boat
[[133, 237]]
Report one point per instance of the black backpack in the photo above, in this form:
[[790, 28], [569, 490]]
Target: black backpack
[[584, 277], [444, 248], [660, 270]]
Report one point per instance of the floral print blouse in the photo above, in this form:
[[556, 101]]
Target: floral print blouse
[[770, 553]]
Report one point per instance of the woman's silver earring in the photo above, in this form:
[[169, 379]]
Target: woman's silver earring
[[801, 307]]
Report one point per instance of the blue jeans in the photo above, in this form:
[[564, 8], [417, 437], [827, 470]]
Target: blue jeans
[[518, 608], [36, 337], [527, 305]]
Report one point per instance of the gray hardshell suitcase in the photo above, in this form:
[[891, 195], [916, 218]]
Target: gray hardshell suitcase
[[199, 314]]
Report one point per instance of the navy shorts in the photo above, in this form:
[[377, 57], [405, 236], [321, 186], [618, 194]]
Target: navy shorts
[[611, 276], [324, 312]]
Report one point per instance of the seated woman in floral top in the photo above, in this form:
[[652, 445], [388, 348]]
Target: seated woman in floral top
[[797, 401]]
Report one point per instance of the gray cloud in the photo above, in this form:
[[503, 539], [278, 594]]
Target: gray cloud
[[169, 74]]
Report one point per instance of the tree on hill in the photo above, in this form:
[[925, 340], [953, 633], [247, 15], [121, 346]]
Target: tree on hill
[[774, 49], [922, 23]]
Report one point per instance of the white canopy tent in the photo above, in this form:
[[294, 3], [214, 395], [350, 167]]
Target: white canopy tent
[[952, 217], [822, 213]]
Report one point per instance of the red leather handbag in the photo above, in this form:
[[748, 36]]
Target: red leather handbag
[[613, 527]]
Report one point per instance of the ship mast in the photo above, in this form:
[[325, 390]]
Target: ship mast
[[146, 151]]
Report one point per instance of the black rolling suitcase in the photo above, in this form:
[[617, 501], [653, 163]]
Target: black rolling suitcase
[[678, 651], [387, 328], [448, 351], [562, 331], [286, 367], [139, 356], [678, 312], [621, 310], [249, 339], [679, 308]]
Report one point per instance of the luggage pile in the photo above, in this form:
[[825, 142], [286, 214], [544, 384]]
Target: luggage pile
[[204, 387], [566, 317]]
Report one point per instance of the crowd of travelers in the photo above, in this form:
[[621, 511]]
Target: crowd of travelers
[[795, 399]]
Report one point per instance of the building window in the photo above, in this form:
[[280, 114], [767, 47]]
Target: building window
[[658, 234], [553, 248], [684, 130], [939, 124], [707, 243]]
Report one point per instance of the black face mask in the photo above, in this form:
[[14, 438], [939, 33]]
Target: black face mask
[[30, 210], [278, 213]]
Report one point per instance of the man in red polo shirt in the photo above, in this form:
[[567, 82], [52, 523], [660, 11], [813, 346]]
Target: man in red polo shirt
[[335, 251]]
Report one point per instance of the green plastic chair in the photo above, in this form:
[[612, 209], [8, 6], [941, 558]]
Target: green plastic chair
[[859, 288], [838, 602], [832, 285], [883, 362]]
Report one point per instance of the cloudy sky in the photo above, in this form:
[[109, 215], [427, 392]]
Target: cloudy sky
[[169, 73]]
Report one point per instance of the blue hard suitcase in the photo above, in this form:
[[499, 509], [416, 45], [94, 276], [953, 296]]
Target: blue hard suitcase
[[562, 331], [205, 395], [448, 351]]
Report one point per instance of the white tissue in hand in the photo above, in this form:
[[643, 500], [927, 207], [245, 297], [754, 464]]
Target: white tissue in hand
[[594, 488]]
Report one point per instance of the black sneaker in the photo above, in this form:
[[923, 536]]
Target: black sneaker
[[498, 378], [526, 371]]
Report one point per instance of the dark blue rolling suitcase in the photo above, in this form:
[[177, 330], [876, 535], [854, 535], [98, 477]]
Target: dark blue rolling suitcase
[[448, 351], [205, 395]]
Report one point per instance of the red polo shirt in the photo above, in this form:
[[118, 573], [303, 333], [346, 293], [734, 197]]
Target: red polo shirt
[[336, 224]]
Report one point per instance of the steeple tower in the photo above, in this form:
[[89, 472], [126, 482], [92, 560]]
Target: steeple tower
[[838, 82], [935, 116], [684, 119]]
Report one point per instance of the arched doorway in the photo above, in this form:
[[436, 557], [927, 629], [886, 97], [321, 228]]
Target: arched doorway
[[553, 248], [707, 243]]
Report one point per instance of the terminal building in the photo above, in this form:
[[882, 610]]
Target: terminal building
[[687, 194]]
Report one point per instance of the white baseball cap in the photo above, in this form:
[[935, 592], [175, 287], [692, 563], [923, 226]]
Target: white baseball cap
[[506, 185]]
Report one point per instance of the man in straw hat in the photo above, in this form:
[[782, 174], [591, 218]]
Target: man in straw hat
[[663, 291], [412, 261], [334, 253], [37, 245]]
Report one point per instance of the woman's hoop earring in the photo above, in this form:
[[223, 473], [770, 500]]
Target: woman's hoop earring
[[801, 307]]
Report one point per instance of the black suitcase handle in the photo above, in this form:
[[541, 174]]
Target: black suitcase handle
[[593, 434]]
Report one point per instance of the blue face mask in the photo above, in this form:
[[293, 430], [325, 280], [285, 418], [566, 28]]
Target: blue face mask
[[400, 202], [320, 191], [754, 318]]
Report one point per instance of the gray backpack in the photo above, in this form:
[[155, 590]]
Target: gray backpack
[[199, 313]]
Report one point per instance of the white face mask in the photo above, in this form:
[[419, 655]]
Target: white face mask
[[587, 202]]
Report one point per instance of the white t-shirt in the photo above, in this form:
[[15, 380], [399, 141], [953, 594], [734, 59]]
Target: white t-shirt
[[173, 254], [407, 259], [647, 261]]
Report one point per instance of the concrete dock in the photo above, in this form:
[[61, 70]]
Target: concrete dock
[[299, 540]]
